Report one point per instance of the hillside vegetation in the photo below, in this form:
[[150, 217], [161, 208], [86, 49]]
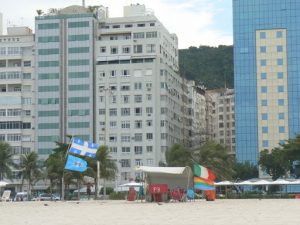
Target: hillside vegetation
[[208, 65]]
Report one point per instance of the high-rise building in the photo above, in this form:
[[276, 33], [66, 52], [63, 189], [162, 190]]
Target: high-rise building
[[65, 76], [266, 58], [17, 92], [139, 93], [223, 117]]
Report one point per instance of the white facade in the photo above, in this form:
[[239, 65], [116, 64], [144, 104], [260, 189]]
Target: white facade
[[139, 91], [223, 117], [17, 91]]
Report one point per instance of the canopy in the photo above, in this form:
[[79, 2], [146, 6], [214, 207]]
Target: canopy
[[3, 183], [224, 183], [261, 182], [172, 176], [281, 182], [131, 184], [246, 182]]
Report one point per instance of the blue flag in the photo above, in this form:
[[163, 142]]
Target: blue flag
[[76, 164], [84, 148]]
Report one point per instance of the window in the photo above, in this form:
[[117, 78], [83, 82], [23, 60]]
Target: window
[[125, 150], [149, 110], [138, 162], [102, 49], [46, 26], [126, 49], [112, 138], [281, 102], [138, 48], [141, 25], [112, 38], [264, 116], [125, 87], [264, 102], [138, 111], [138, 98], [138, 150], [281, 116], [149, 136], [113, 73], [280, 88], [138, 86], [113, 112], [78, 24], [150, 162], [113, 50], [264, 89], [152, 34], [149, 123], [263, 62], [281, 129], [279, 48], [113, 124], [280, 75], [264, 130], [138, 137], [125, 138], [149, 149], [125, 73], [279, 62], [265, 144], [263, 49], [149, 97], [279, 34], [262, 35], [80, 37], [125, 98], [125, 124], [113, 149], [125, 111], [150, 48], [138, 35], [138, 124], [125, 162]]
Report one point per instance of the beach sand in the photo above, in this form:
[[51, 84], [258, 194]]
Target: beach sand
[[200, 212]]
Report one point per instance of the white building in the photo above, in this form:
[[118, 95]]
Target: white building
[[139, 92], [224, 117], [17, 91]]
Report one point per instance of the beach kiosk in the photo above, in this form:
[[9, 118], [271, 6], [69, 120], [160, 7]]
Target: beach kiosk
[[160, 181]]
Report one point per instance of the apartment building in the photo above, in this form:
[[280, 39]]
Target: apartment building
[[224, 117], [17, 92], [138, 90], [65, 77]]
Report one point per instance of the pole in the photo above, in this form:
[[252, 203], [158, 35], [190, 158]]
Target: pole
[[98, 179], [63, 175]]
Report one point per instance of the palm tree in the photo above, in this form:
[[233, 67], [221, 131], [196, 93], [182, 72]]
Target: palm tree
[[30, 169], [108, 167], [5, 161]]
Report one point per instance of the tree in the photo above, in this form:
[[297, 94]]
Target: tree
[[6, 161], [39, 12], [215, 157], [274, 163], [29, 169], [178, 155], [108, 167], [245, 171], [55, 165], [92, 8]]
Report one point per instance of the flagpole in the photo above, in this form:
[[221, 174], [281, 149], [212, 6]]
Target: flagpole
[[62, 179]]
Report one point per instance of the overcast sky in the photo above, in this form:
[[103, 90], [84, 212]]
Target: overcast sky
[[196, 22]]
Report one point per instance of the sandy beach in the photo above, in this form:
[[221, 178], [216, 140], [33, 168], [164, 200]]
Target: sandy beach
[[219, 212]]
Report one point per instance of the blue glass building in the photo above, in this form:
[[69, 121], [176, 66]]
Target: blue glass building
[[267, 74]]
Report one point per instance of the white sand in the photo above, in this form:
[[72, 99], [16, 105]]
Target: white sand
[[219, 212]]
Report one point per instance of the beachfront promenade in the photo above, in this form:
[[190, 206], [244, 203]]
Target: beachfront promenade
[[200, 212]]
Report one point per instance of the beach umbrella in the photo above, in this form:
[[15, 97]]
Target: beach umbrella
[[261, 182], [246, 182], [3, 183], [281, 182]]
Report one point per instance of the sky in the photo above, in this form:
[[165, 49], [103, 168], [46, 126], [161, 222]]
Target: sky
[[196, 22]]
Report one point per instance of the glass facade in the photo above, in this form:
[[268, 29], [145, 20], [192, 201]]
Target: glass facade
[[254, 22]]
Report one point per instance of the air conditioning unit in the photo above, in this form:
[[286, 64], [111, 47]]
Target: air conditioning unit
[[149, 114]]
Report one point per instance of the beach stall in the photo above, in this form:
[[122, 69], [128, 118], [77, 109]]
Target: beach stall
[[161, 181]]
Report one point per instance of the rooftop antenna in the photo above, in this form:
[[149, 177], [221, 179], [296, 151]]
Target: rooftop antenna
[[83, 3]]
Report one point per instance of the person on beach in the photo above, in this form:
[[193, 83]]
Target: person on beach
[[88, 190]]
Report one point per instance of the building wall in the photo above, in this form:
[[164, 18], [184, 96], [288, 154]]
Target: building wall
[[268, 24], [17, 92], [65, 77], [139, 86]]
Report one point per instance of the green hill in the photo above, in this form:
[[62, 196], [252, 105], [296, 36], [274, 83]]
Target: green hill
[[208, 65]]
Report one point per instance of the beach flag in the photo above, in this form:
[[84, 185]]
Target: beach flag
[[76, 164], [203, 172], [84, 148], [203, 178], [203, 184]]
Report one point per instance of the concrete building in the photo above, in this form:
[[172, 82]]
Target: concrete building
[[17, 92], [139, 93], [266, 53], [65, 77], [223, 117]]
